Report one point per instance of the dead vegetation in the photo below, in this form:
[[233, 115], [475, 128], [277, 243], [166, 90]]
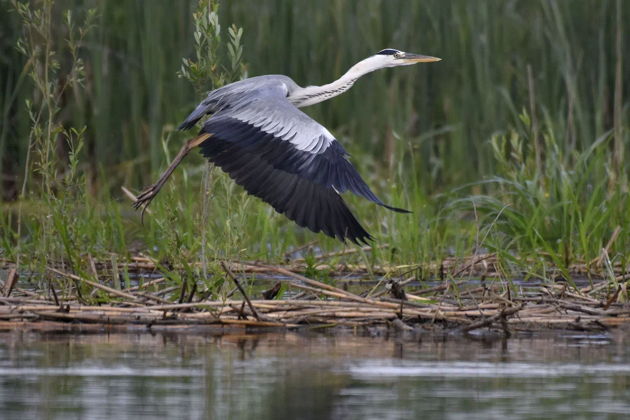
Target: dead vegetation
[[464, 295]]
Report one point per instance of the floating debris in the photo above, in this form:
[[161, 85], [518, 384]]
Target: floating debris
[[402, 304]]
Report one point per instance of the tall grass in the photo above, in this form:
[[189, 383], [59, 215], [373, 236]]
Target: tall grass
[[514, 142], [556, 210]]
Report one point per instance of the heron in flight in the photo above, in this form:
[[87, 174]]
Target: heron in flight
[[257, 134]]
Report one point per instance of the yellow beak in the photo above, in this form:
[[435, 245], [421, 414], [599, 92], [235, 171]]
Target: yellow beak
[[417, 58]]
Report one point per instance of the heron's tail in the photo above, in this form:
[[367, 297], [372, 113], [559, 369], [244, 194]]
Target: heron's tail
[[205, 107], [192, 119], [396, 209]]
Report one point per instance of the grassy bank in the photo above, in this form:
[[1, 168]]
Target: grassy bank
[[514, 144]]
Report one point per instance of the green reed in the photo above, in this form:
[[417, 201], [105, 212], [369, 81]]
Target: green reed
[[514, 143]]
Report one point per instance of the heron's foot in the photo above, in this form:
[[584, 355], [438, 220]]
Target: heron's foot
[[144, 199]]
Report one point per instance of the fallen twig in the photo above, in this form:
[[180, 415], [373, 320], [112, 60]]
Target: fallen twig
[[12, 278], [491, 320], [107, 289], [235, 280]]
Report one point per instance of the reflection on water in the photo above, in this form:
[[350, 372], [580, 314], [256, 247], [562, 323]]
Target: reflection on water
[[297, 375]]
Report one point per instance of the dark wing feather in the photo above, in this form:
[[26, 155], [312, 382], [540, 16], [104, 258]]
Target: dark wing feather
[[282, 156], [329, 167], [309, 204]]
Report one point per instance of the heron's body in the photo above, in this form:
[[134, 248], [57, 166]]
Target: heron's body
[[257, 134]]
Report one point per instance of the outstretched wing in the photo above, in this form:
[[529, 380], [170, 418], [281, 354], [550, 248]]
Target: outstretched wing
[[284, 157], [301, 200]]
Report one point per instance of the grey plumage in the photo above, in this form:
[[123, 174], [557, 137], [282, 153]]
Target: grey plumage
[[281, 155], [257, 135]]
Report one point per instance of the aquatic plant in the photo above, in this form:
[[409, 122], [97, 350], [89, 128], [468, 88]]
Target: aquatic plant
[[516, 145]]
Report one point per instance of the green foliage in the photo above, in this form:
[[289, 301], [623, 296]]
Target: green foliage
[[556, 209], [220, 209], [91, 103], [50, 82], [206, 72], [49, 176]]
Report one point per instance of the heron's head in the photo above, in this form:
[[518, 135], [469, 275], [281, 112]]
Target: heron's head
[[390, 57]]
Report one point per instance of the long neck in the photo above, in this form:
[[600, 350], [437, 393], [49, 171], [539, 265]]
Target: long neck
[[311, 95]]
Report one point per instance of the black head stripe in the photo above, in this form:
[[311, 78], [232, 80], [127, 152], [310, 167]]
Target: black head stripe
[[388, 51]]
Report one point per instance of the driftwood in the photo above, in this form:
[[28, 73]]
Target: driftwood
[[453, 305]]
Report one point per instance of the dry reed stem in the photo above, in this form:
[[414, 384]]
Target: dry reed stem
[[9, 283], [104, 288], [468, 308]]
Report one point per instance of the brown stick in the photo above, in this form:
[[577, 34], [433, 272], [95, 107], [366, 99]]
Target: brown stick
[[580, 308], [12, 278], [150, 296], [606, 249], [93, 284], [612, 299], [145, 285], [298, 249], [54, 293], [234, 279], [489, 321], [474, 262], [320, 285], [339, 253]]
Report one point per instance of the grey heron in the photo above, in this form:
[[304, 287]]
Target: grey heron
[[257, 135]]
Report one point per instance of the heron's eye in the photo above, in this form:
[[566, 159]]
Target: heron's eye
[[399, 55], [388, 51]]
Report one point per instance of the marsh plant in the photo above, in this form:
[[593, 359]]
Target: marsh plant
[[58, 230], [219, 208], [556, 210], [516, 144]]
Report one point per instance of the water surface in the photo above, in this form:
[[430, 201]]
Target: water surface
[[309, 375]]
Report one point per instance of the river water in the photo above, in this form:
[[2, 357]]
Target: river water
[[312, 376]]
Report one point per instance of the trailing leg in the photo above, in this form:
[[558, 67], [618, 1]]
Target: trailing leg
[[145, 198]]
